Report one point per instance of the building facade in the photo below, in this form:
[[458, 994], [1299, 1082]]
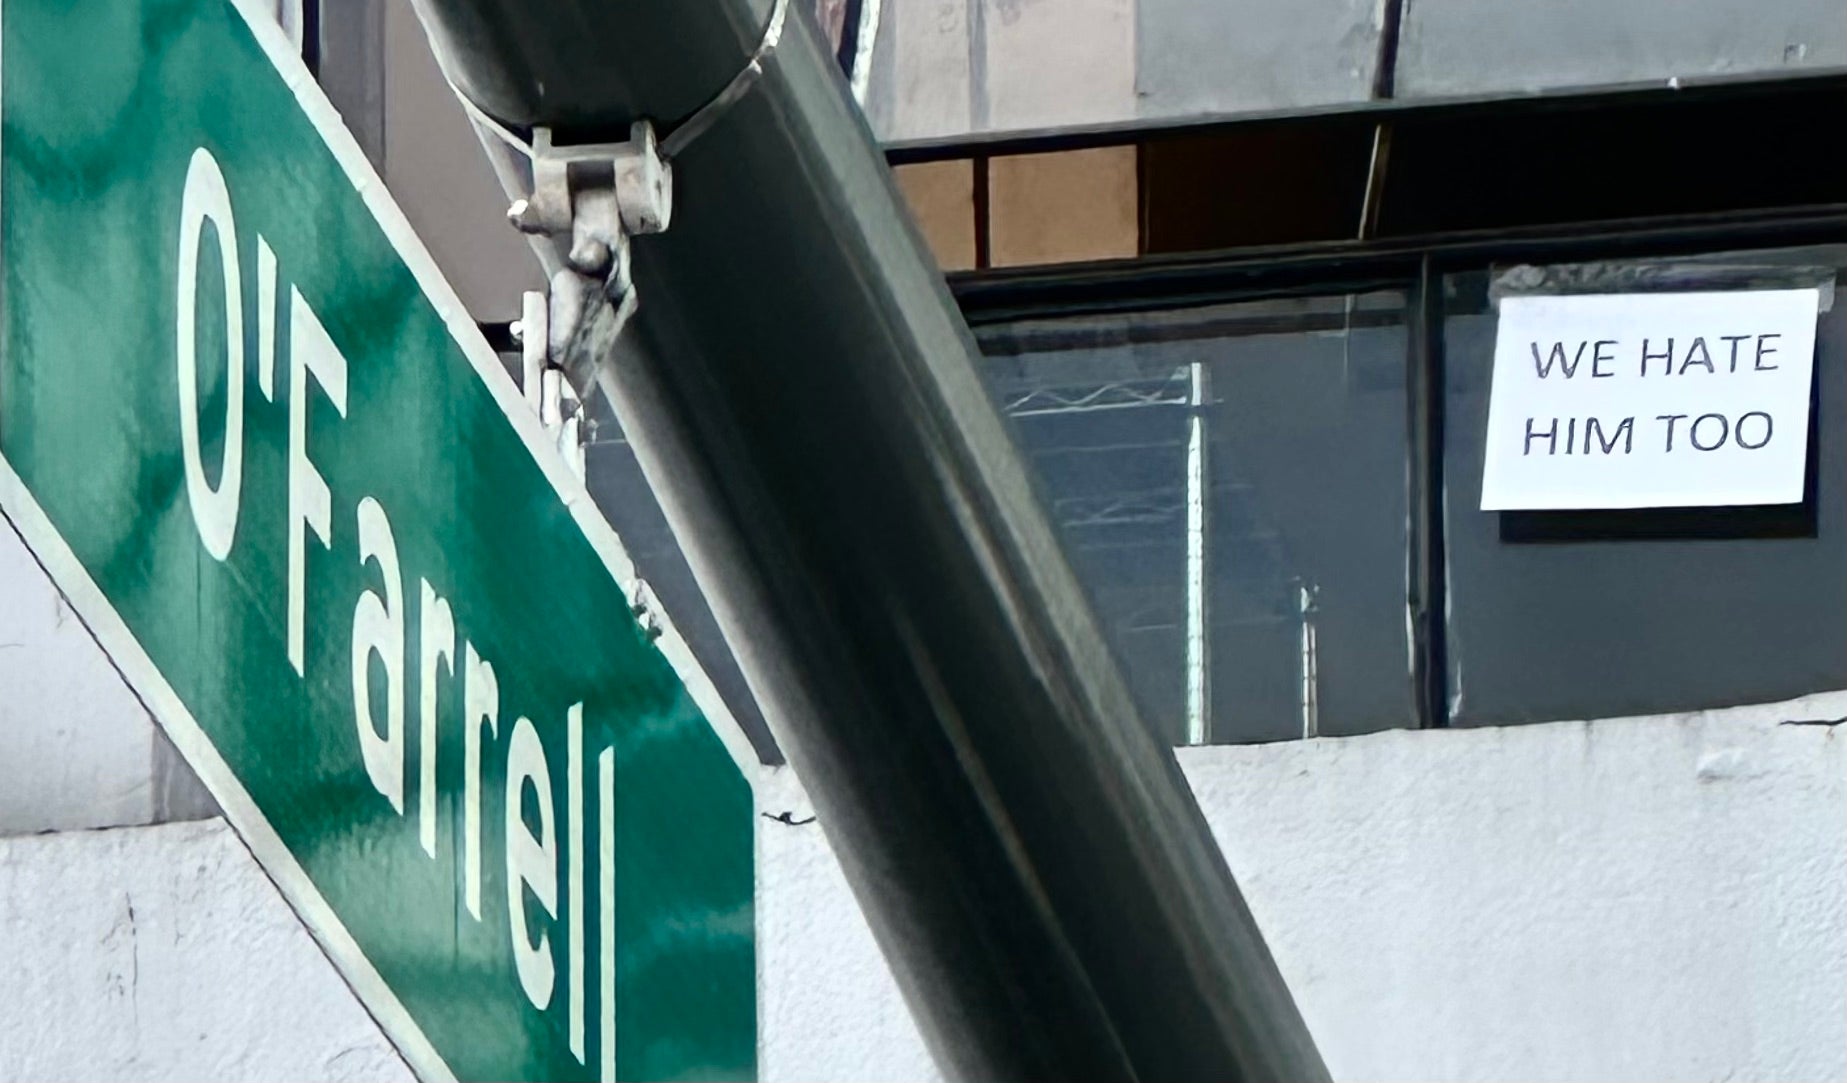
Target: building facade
[[1512, 793]]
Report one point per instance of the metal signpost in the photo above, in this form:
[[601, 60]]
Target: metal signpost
[[255, 439]]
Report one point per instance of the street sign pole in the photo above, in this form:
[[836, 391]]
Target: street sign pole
[[257, 442], [801, 391]]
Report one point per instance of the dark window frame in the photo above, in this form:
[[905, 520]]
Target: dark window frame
[[1416, 266]]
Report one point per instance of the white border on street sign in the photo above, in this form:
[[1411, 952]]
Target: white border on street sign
[[112, 634]]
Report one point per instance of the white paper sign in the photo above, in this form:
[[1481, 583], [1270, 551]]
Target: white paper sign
[[1650, 400]]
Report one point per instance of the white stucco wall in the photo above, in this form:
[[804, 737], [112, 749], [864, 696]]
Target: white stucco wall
[[163, 953], [1639, 899]]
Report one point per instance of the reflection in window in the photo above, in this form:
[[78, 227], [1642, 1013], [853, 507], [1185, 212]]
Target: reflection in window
[[1230, 482]]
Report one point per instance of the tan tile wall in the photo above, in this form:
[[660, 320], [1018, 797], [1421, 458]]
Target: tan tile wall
[[1063, 207], [942, 199]]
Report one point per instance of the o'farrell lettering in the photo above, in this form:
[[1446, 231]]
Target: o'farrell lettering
[[450, 670]]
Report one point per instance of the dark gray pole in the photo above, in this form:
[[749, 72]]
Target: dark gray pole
[[803, 394]]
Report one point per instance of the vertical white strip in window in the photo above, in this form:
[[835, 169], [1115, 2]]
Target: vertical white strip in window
[[1198, 706], [1311, 667]]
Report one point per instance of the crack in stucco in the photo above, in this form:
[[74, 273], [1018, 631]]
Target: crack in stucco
[[127, 987], [134, 963]]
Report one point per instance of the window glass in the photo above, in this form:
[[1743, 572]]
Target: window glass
[[1575, 615], [1230, 483]]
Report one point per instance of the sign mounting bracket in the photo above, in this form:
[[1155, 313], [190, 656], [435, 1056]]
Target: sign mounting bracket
[[597, 195]]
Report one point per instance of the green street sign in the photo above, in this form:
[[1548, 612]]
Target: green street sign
[[255, 438]]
